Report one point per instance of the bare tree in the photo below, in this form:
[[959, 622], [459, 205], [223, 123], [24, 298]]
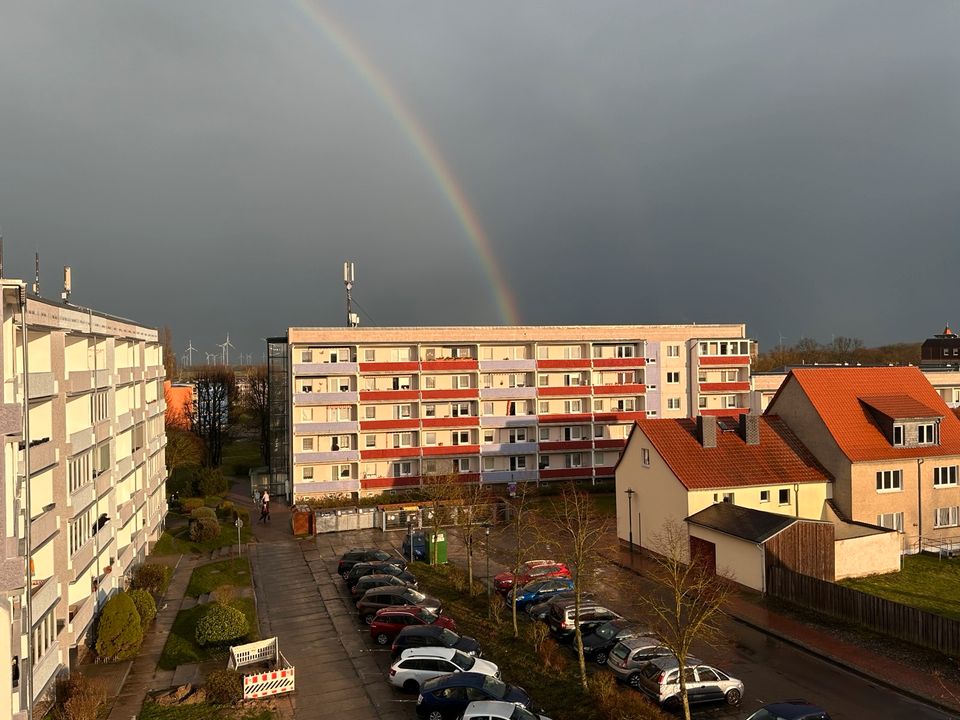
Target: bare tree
[[690, 605], [472, 515], [442, 489], [520, 509], [573, 521], [257, 402], [214, 392], [169, 354]]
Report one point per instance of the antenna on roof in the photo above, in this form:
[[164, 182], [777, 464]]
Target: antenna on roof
[[352, 318], [67, 284], [36, 274], [1, 253]]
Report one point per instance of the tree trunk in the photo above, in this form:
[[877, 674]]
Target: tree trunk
[[470, 565], [683, 693]]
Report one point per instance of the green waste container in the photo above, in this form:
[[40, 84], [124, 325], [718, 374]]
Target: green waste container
[[438, 541]]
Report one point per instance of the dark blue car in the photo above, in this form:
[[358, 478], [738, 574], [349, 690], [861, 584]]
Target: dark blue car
[[790, 710], [539, 590], [419, 546], [447, 697]]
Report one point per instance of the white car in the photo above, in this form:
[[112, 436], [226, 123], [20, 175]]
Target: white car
[[417, 665], [497, 710]]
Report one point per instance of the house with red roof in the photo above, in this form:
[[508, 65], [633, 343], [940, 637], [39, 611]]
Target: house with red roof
[[889, 441]]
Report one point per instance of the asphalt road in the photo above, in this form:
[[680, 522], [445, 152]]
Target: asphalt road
[[770, 669]]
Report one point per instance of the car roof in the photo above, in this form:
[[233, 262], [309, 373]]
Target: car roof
[[791, 709], [421, 630], [406, 609], [669, 662], [491, 707], [437, 652], [642, 641], [463, 679]]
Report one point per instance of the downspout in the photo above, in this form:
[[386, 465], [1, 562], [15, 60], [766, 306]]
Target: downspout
[[919, 508], [763, 564], [28, 545]]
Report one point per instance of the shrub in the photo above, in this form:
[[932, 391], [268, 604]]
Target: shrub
[[243, 514], [619, 703], [224, 687], [152, 577], [191, 504], [203, 512], [223, 594], [180, 483], [220, 625], [79, 698], [119, 634], [204, 529], [225, 509], [146, 607], [211, 482]]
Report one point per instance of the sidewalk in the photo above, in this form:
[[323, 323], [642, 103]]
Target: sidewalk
[[743, 608]]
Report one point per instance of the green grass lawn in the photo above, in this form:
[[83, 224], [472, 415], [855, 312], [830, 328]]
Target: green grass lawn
[[209, 577], [181, 648], [926, 582], [152, 711], [177, 540]]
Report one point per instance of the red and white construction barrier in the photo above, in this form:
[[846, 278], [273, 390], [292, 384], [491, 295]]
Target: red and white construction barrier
[[276, 681]]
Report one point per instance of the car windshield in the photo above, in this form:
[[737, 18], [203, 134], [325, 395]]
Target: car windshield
[[763, 714], [381, 555], [521, 713], [650, 671], [620, 652], [427, 616], [413, 596], [462, 661], [494, 688], [607, 631], [448, 637]]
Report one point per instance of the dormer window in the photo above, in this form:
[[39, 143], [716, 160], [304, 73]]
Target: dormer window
[[898, 435], [927, 434]]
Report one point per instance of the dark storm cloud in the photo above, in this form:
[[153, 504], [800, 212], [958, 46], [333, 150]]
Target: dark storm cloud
[[209, 166]]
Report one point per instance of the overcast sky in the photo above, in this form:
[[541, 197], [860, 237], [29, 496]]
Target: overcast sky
[[210, 165]]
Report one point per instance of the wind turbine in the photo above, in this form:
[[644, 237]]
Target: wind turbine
[[210, 355], [190, 351], [226, 350]]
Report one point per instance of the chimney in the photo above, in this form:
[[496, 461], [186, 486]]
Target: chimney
[[750, 429], [707, 430]]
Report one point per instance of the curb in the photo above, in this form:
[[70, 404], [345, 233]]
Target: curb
[[842, 664]]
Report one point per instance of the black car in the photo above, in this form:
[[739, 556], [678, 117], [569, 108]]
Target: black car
[[376, 580], [382, 597], [447, 697], [377, 568], [790, 710], [598, 643], [540, 610], [433, 636], [361, 555]]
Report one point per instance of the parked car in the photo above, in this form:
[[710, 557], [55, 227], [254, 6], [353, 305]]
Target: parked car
[[377, 580], [419, 546], [388, 623], [382, 597], [629, 657], [660, 680], [538, 590], [359, 555], [498, 710], [790, 710], [530, 570], [415, 636], [540, 610], [563, 618], [447, 697], [598, 643], [417, 665], [377, 568]]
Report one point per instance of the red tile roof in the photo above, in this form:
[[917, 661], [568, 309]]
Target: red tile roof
[[779, 459], [899, 407], [838, 396]]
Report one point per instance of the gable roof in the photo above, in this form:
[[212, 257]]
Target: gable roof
[[780, 458], [756, 526], [842, 397]]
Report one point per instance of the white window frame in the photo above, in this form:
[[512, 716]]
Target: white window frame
[[429, 382], [764, 496], [306, 356], [307, 444], [572, 352], [544, 434], [673, 351], [488, 408], [898, 435], [370, 441], [306, 414], [461, 409], [370, 412], [307, 472], [461, 465], [598, 404], [518, 462], [430, 410], [489, 436], [402, 412], [892, 521], [780, 500], [341, 472], [673, 403], [645, 456], [544, 407], [944, 517], [572, 407], [369, 355], [461, 437], [626, 351], [889, 481], [927, 433], [429, 438], [673, 377], [945, 476], [402, 468], [489, 464], [461, 382], [573, 460]]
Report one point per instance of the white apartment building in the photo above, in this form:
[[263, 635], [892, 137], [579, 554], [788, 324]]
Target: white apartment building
[[81, 479], [363, 410]]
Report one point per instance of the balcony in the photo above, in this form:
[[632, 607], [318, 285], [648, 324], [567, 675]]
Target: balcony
[[398, 424], [619, 362], [572, 418], [565, 445], [153, 409], [508, 448], [507, 476], [450, 364], [403, 366], [504, 421], [125, 421], [398, 395], [83, 497], [507, 366], [326, 398], [44, 595], [124, 375], [81, 614], [41, 384], [125, 511], [103, 482], [139, 498], [326, 428], [450, 394], [567, 364], [126, 558], [124, 467], [336, 486], [42, 456], [46, 668], [435, 450], [450, 422], [724, 387], [102, 430], [153, 372], [79, 381], [44, 526], [325, 457], [390, 453], [609, 443], [622, 389], [80, 441], [721, 360], [337, 368], [508, 393], [566, 391], [139, 539], [566, 473], [82, 558], [619, 416]]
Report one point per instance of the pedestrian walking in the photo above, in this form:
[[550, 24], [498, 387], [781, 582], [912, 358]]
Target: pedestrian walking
[[265, 509], [257, 499]]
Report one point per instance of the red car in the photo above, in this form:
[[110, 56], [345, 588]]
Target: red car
[[530, 570], [388, 622]]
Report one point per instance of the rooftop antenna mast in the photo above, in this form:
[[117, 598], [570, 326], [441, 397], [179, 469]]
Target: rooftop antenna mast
[[352, 318], [67, 284], [36, 274]]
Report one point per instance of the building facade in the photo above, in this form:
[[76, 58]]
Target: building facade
[[363, 410], [82, 477]]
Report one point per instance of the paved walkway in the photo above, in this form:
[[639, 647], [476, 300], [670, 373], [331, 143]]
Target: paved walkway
[[881, 669]]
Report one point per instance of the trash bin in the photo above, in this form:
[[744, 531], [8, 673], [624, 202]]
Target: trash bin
[[437, 548], [366, 516]]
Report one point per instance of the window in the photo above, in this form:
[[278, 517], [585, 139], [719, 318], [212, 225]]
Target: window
[[673, 403], [898, 434], [401, 354], [574, 432], [572, 406], [517, 435], [783, 496], [730, 401], [402, 440], [402, 469], [893, 521], [598, 431], [543, 380], [488, 408], [598, 405], [306, 356], [488, 464], [625, 405], [308, 473], [461, 465], [946, 517], [764, 496], [340, 472], [645, 454], [731, 376], [429, 410], [572, 352], [340, 442], [429, 382], [370, 412], [544, 434], [701, 402], [488, 436], [306, 414], [599, 459], [673, 351], [306, 387], [728, 498], [461, 381], [571, 379], [626, 351], [625, 378], [702, 376], [460, 409], [430, 438], [927, 434], [517, 379], [369, 355], [430, 467], [889, 481], [673, 378], [574, 460], [461, 437], [945, 476], [543, 352], [544, 406], [401, 411], [370, 441], [401, 382], [518, 462], [306, 443]]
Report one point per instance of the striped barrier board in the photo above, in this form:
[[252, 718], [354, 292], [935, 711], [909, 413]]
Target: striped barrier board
[[275, 682]]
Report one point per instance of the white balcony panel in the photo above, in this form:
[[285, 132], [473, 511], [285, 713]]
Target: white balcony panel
[[83, 496], [339, 486], [503, 421], [507, 393], [506, 476], [326, 398], [44, 526], [81, 615], [507, 365], [104, 481], [44, 596], [46, 668], [517, 448], [326, 428], [323, 457], [82, 558], [338, 368], [41, 384], [80, 441]]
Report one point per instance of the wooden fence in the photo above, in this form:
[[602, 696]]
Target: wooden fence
[[884, 616]]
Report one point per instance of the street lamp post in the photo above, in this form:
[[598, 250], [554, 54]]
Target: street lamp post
[[239, 525], [410, 538], [486, 551], [630, 492]]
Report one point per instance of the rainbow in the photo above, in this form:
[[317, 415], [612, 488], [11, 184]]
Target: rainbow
[[425, 148]]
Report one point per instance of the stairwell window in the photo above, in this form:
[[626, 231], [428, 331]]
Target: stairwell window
[[673, 403], [673, 378], [892, 521], [946, 517], [889, 481], [945, 476]]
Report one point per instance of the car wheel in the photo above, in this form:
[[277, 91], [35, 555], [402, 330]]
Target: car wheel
[[600, 658], [672, 704], [411, 686], [634, 681], [435, 715], [733, 696], [368, 619], [345, 575], [382, 639]]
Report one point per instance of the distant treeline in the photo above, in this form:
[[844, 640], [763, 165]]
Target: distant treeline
[[841, 349]]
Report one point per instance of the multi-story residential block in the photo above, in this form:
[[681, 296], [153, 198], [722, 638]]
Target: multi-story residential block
[[361, 410], [81, 481]]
